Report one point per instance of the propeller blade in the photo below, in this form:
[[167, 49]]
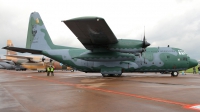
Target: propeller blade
[[51, 60], [43, 59], [145, 43]]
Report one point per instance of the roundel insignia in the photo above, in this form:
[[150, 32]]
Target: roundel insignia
[[37, 21]]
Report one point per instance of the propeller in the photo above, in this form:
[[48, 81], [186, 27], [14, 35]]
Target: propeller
[[50, 60], [43, 59], [145, 44]]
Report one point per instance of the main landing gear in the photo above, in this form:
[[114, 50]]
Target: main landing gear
[[174, 74], [111, 75]]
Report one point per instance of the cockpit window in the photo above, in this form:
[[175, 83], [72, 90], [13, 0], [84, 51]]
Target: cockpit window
[[181, 52], [184, 58]]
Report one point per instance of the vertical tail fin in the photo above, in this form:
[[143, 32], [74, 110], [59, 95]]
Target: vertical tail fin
[[38, 37], [10, 44]]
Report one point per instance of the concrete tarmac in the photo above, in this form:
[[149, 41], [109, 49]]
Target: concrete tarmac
[[30, 91]]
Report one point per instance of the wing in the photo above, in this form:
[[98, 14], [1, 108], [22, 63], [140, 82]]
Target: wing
[[5, 59], [23, 50], [92, 32], [22, 57]]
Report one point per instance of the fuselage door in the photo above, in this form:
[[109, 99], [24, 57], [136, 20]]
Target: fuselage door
[[168, 62]]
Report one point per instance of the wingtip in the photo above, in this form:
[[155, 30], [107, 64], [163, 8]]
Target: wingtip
[[84, 18], [4, 47]]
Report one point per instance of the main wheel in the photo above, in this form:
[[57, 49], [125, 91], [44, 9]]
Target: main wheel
[[105, 75], [117, 75], [174, 74]]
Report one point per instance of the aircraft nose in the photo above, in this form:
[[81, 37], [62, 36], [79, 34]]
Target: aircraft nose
[[193, 63]]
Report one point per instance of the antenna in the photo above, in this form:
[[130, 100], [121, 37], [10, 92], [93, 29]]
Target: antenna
[[144, 43], [144, 31]]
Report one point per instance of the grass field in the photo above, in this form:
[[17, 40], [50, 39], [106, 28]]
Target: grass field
[[191, 69]]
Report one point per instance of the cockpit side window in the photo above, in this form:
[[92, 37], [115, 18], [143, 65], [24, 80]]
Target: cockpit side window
[[184, 58]]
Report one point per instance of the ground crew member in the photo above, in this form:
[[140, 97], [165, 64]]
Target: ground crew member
[[199, 70], [48, 70], [183, 72], [194, 70], [51, 70]]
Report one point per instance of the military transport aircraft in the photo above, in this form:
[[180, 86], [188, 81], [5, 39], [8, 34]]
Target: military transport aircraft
[[1, 67], [104, 53], [6, 64], [39, 63]]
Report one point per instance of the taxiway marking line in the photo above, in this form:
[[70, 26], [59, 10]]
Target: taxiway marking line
[[113, 92], [193, 107]]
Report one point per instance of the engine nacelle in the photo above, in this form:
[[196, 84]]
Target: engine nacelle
[[128, 46]]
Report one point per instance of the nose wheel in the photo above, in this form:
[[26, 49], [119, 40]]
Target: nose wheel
[[174, 74]]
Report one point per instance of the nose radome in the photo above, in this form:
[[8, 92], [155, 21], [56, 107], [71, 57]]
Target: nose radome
[[193, 63]]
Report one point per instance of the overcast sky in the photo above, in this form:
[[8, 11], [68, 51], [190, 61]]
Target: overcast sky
[[167, 22]]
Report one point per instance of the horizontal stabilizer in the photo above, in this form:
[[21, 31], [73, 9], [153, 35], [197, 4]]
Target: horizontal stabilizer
[[23, 50]]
